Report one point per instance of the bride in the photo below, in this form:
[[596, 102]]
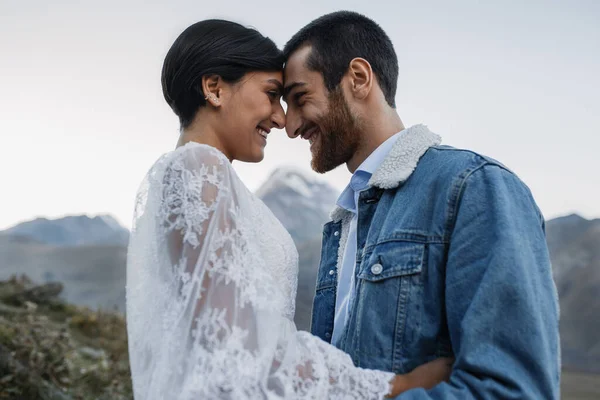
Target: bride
[[211, 273]]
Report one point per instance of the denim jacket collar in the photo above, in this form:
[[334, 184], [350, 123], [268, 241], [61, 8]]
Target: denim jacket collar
[[399, 163]]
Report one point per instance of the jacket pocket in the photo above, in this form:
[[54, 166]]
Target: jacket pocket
[[389, 303], [392, 259]]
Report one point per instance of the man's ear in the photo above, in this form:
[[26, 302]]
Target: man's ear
[[212, 88], [361, 78]]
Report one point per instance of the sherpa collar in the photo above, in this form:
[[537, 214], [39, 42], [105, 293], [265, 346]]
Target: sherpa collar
[[401, 161]]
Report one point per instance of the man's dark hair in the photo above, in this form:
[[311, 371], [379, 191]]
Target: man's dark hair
[[212, 47], [339, 37]]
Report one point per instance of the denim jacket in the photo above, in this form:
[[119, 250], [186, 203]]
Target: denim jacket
[[451, 261]]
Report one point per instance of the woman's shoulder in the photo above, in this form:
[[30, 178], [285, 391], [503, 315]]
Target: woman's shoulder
[[191, 168], [199, 154], [193, 157]]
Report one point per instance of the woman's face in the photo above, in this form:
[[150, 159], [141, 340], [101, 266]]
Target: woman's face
[[250, 109]]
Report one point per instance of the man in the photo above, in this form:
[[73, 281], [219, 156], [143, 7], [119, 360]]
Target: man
[[432, 251]]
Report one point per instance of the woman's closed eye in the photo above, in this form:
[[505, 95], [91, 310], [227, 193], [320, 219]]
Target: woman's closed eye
[[274, 94]]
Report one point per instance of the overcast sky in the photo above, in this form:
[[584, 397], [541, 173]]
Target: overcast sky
[[82, 116]]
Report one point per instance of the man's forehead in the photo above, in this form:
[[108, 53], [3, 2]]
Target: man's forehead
[[296, 63], [301, 53]]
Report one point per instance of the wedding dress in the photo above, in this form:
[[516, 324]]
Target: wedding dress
[[211, 286]]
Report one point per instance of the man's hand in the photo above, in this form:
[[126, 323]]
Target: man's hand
[[424, 376]]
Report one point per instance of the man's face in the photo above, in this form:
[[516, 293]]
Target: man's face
[[324, 118]]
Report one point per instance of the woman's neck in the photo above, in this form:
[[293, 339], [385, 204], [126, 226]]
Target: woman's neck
[[204, 134]]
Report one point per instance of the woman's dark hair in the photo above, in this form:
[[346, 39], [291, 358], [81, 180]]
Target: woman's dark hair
[[212, 47]]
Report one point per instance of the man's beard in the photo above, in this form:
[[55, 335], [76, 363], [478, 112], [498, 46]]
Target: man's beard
[[339, 137]]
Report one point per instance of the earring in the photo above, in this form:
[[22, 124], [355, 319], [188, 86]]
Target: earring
[[211, 97]]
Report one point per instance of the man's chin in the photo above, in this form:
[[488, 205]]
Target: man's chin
[[320, 166]]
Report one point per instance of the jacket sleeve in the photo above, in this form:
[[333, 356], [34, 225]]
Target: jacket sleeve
[[501, 300]]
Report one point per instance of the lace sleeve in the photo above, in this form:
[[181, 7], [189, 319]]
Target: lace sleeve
[[202, 313]]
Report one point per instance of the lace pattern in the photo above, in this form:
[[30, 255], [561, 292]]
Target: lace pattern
[[211, 285]]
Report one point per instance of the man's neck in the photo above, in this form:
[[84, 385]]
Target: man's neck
[[375, 132]]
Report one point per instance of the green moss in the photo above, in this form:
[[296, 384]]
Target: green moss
[[7, 333], [47, 344]]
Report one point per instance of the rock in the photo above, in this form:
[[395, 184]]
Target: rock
[[10, 310], [38, 294], [93, 354], [48, 392]]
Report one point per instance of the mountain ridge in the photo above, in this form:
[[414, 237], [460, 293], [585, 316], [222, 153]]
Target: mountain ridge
[[94, 273]]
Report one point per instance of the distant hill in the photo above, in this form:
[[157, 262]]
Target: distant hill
[[574, 244], [310, 254], [93, 275], [300, 201], [77, 230], [89, 255]]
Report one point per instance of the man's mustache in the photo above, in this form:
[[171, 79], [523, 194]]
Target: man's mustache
[[304, 128]]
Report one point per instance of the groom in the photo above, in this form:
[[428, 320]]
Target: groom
[[432, 251]]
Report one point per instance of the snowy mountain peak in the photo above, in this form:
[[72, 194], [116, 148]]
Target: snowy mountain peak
[[299, 199], [299, 181]]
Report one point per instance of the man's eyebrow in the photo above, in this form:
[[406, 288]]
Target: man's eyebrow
[[289, 88], [276, 83]]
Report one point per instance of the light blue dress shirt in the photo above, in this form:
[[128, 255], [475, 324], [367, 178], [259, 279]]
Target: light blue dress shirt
[[349, 201]]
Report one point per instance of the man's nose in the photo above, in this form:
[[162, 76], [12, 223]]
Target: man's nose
[[292, 125]]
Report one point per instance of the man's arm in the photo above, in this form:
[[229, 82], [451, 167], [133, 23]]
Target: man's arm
[[501, 301]]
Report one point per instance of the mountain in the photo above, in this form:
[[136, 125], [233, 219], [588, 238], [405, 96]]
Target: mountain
[[299, 200], [92, 265], [93, 275], [87, 254], [302, 203], [73, 231], [574, 244], [310, 255]]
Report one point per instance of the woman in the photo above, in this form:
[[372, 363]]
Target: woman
[[211, 275]]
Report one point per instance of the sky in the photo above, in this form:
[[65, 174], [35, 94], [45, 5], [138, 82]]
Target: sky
[[82, 116]]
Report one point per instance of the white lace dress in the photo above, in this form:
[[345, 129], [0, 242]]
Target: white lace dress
[[211, 283]]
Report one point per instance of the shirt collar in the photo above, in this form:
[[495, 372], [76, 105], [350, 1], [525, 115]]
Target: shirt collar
[[363, 173]]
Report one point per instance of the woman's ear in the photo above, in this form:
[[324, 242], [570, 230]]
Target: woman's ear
[[212, 89]]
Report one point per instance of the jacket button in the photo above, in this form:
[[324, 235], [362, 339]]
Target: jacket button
[[336, 233], [331, 272], [328, 335], [376, 269]]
